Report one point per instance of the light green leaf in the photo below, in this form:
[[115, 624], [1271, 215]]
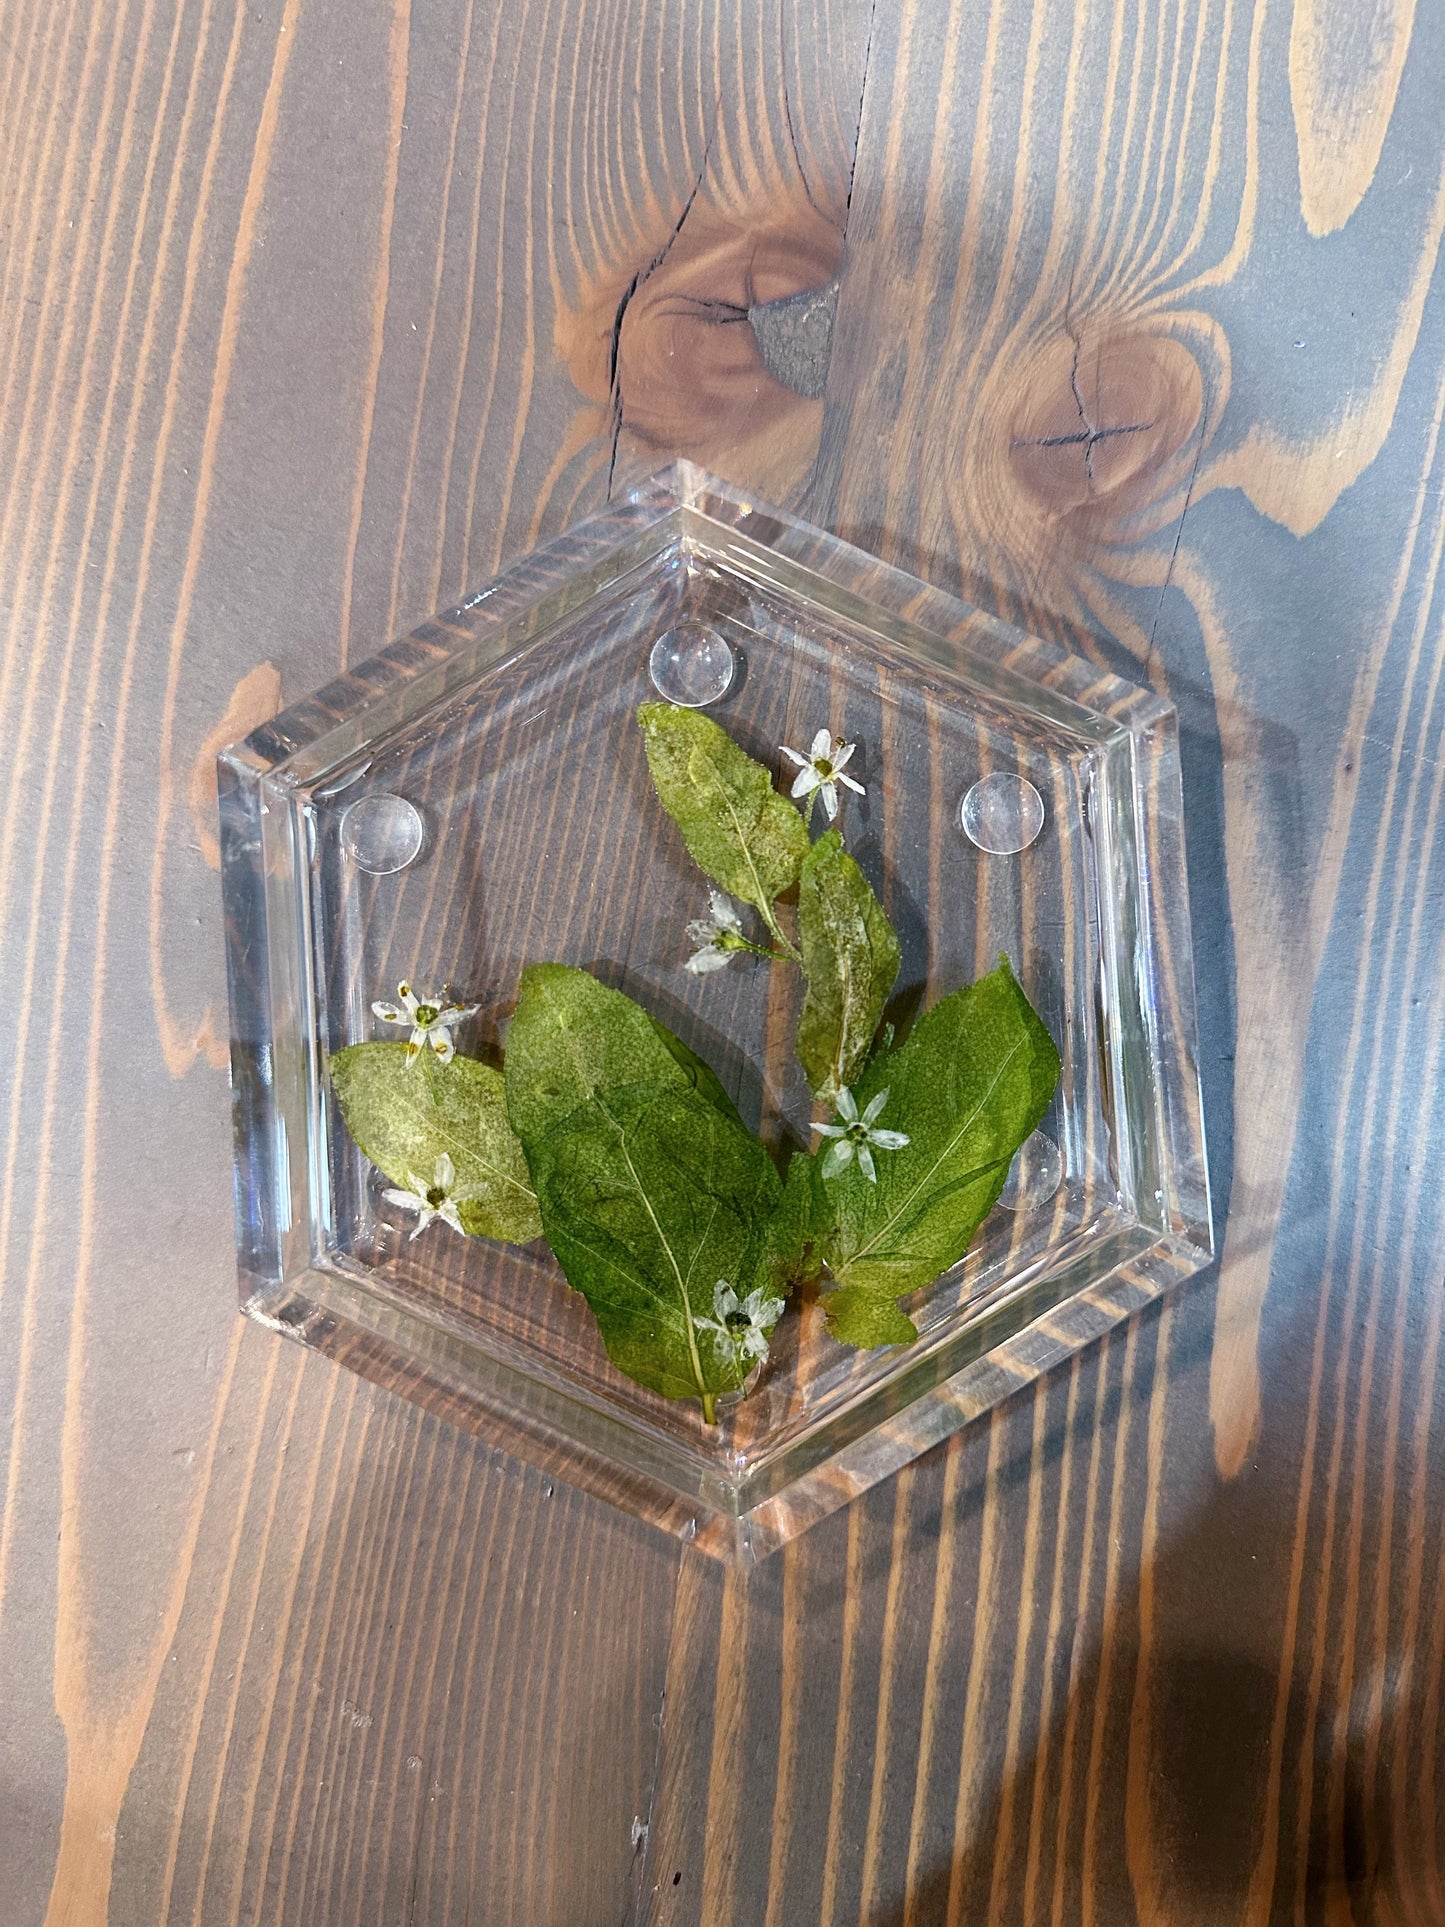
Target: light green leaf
[[968, 1086], [850, 959], [864, 1318], [405, 1115], [651, 1190], [571, 1037], [750, 840]]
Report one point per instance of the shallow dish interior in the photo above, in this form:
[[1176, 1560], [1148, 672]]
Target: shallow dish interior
[[542, 839], [495, 752]]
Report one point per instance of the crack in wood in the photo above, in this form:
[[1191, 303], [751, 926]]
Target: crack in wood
[[858, 130], [788, 120], [1086, 435], [643, 275], [642, 1849]]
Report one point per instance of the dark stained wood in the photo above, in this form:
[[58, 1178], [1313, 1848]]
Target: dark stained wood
[[1149, 1647], [313, 314]]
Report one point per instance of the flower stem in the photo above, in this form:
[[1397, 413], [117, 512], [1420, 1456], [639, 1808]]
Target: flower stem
[[709, 1408], [789, 951], [762, 950]]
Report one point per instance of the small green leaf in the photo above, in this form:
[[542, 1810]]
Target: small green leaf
[[968, 1086], [651, 1190], [405, 1115], [740, 831], [850, 959], [864, 1318]]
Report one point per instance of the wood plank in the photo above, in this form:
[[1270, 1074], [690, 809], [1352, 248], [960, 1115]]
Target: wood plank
[[1151, 1648], [278, 376], [419, 1683], [313, 316]]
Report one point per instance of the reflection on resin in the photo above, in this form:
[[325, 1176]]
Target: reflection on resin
[[381, 834], [1035, 1174], [1002, 814], [691, 665]]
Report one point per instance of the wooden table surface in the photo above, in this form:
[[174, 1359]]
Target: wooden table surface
[[315, 312]]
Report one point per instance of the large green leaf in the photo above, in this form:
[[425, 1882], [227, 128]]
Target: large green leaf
[[649, 1197], [968, 1086], [850, 959], [405, 1115], [749, 839], [651, 1190]]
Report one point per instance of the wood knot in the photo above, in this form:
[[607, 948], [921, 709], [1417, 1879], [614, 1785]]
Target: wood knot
[[1105, 425], [668, 347]]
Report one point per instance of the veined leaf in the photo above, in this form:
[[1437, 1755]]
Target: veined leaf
[[650, 1188], [968, 1086], [750, 840], [405, 1115], [850, 959], [649, 1198], [571, 1036]]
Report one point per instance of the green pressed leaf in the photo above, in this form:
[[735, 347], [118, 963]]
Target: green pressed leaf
[[649, 1197], [798, 1228], [705, 1080], [571, 1036], [651, 1189], [968, 1086], [749, 839], [865, 1318], [405, 1115], [850, 960]]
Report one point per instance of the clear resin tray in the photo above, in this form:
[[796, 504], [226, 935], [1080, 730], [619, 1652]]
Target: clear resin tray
[[477, 797]]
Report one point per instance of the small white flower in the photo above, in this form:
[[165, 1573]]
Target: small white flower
[[854, 1135], [432, 1200], [821, 770], [432, 1021], [719, 936], [742, 1327]]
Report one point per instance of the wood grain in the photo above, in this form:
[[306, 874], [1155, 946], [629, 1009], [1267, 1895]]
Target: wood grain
[[1050, 314], [315, 313], [277, 378]]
